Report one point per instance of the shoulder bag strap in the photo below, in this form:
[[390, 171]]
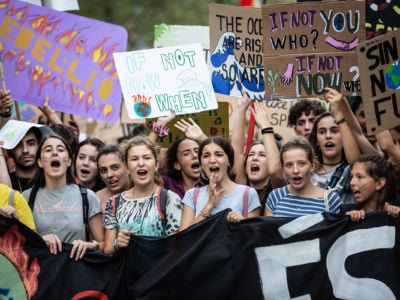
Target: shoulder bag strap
[[246, 202], [195, 196]]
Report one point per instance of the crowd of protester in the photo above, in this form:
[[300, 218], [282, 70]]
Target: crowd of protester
[[96, 196]]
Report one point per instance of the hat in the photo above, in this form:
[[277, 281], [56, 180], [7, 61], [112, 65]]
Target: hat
[[14, 131]]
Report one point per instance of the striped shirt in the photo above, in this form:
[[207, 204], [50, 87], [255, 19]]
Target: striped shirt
[[281, 203]]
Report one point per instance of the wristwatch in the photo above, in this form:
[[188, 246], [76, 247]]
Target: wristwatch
[[115, 244]]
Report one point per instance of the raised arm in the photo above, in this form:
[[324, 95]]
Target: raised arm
[[238, 138], [159, 128], [191, 130], [385, 142], [6, 104], [271, 148], [350, 146], [362, 141]]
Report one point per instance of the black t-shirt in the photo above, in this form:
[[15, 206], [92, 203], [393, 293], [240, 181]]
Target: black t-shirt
[[19, 183]]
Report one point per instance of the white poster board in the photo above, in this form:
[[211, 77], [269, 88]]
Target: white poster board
[[156, 80]]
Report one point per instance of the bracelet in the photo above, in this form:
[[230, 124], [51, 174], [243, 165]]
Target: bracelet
[[267, 130], [342, 120], [6, 115], [115, 244], [158, 129], [204, 215]]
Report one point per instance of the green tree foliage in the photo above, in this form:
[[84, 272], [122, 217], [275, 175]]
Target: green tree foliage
[[139, 17]]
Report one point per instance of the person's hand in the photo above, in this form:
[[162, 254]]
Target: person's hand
[[235, 217], [163, 121], [8, 211], [6, 102], [80, 247], [45, 108], [190, 129], [356, 215], [215, 195], [243, 102], [260, 115], [392, 210], [335, 99], [53, 243], [74, 126], [123, 238]]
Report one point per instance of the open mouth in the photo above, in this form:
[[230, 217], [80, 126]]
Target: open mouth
[[142, 172], [254, 168], [296, 179], [214, 169], [84, 171], [195, 166], [329, 145], [55, 164]]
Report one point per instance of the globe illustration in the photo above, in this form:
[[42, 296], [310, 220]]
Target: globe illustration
[[142, 109], [393, 76]]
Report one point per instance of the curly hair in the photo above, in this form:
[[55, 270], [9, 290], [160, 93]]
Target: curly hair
[[304, 106]]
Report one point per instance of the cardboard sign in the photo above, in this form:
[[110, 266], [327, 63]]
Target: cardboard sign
[[310, 46], [236, 58], [61, 56], [157, 80], [379, 64], [212, 122], [307, 75]]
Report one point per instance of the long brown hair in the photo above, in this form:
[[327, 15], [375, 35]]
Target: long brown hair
[[39, 178]]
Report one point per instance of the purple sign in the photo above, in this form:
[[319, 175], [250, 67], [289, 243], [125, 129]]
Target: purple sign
[[65, 57]]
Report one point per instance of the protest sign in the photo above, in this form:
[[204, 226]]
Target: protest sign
[[212, 122], [379, 64], [381, 17], [154, 81], [46, 53], [295, 34], [175, 35], [321, 256], [236, 49]]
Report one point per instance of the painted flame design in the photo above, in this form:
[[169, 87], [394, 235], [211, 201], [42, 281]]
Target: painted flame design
[[11, 246]]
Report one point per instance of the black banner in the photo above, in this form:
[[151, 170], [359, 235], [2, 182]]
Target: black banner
[[323, 256]]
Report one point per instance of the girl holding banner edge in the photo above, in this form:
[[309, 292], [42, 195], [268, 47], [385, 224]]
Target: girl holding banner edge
[[374, 185], [57, 203], [141, 210]]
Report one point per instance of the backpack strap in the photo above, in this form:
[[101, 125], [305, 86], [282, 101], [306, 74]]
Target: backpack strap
[[32, 196], [162, 197], [85, 208], [195, 196], [11, 197], [115, 203], [336, 175], [246, 202]]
